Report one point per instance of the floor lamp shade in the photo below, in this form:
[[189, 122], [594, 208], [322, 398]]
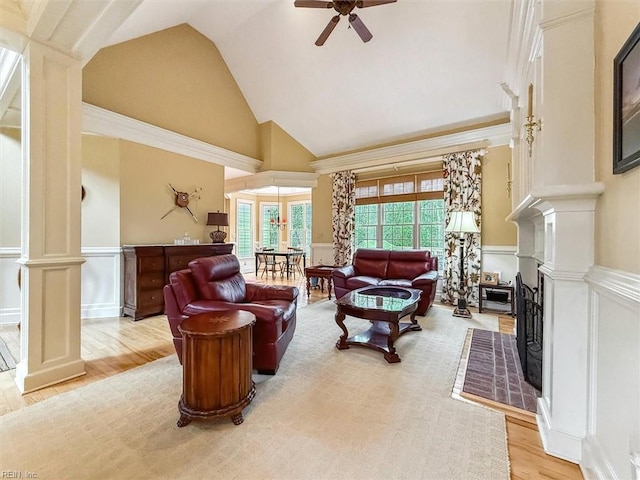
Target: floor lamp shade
[[219, 219], [462, 223]]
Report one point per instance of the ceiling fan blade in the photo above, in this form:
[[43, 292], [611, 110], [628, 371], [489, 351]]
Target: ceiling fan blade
[[360, 28], [373, 3], [327, 30], [312, 4]]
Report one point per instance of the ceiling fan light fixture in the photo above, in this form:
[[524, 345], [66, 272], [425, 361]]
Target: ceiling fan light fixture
[[343, 7]]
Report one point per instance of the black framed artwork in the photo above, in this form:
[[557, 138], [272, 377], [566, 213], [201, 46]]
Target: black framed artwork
[[626, 105]]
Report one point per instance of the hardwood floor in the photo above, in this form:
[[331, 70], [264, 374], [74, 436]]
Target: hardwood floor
[[114, 345]]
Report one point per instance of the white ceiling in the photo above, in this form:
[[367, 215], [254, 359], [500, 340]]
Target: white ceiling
[[431, 63]]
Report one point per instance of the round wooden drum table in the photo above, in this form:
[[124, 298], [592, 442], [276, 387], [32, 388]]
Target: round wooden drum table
[[217, 352]]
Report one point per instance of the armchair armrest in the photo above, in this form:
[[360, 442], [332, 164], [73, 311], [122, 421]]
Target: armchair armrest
[[425, 279], [343, 272], [258, 291]]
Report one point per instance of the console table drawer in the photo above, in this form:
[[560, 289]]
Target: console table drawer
[[150, 297], [151, 281], [151, 264]]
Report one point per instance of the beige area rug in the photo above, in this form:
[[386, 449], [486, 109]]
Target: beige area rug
[[327, 414]]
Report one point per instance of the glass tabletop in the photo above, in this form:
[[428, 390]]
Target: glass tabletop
[[391, 299]]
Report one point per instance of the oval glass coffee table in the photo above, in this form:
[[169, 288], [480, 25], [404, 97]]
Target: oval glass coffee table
[[384, 306]]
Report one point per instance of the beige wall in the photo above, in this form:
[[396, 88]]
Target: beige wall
[[101, 180], [145, 175], [10, 187], [617, 239], [282, 152], [322, 215], [496, 204], [174, 79]]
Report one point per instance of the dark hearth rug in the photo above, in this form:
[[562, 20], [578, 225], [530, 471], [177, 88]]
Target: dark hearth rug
[[7, 362], [494, 371]]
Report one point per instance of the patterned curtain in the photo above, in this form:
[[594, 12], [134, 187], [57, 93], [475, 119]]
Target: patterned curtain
[[343, 208], [462, 174]]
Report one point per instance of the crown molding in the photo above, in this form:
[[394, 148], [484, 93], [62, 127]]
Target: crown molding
[[105, 122], [568, 18], [416, 150], [271, 178]]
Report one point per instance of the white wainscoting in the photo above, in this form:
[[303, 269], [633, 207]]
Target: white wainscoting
[[500, 259], [101, 283], [611, 448], [9, 291], [321, 253]]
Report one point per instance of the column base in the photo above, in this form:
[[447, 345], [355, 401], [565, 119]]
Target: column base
[[29, 382]]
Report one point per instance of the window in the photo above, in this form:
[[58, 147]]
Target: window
[[300, 225], [244, 232], [400, 213], [269, 235]]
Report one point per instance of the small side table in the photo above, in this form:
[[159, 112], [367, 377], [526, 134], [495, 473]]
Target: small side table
[[217, 359], [322, 273], [507, 288]]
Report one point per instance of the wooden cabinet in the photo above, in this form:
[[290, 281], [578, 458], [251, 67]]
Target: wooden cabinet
[[147, 269]]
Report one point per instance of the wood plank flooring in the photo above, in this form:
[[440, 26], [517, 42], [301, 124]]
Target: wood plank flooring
[[114, 345]]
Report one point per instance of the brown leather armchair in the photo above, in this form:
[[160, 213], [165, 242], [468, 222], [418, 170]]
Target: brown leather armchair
[[216, 284]]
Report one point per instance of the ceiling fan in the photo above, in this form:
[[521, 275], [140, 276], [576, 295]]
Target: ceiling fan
[[343, 7]]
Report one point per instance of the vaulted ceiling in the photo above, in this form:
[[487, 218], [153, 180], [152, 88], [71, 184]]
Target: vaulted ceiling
[[431, 64]]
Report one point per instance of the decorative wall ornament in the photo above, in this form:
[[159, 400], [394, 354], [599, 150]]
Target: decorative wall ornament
[[531, 124], [182, 199]]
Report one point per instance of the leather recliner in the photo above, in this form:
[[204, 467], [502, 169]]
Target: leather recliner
[[400, 268], [215, 284]]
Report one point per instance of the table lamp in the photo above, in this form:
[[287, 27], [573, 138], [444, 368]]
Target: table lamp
[[219, 219]]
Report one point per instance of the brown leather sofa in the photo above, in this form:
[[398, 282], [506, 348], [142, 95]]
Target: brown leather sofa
[[400, 268], [215, 284]]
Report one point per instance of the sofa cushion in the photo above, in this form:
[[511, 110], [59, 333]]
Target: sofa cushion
[[361, 281], [371, 262], [396, 282], [408, 263], [219, 278]]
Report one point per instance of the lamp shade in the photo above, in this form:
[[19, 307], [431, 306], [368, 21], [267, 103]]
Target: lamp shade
[[462, 222], [220, 219]]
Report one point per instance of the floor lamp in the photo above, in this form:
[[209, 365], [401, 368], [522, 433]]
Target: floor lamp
[[462, 223]]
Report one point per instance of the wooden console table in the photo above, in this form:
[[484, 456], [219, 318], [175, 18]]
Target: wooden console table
[[217, 359], [506, 288], [147, 269]]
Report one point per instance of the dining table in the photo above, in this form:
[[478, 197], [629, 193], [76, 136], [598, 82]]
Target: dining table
[[286, 255]]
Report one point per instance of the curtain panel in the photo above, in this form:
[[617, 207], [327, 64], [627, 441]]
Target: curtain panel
[[343, 212], [462, 172]]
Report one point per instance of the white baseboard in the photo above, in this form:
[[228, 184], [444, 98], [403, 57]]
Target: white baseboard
[[555, 442], [595, 464]]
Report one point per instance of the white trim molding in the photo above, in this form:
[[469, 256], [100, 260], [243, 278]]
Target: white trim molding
[[616, 284], [104, 122], [416, 150], [272, 178]]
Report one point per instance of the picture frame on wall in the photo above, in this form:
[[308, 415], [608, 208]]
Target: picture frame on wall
[[489, 278], [626, 105]]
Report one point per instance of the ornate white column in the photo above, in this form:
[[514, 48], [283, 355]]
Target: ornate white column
[[50, 251]]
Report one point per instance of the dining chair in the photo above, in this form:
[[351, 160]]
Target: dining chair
[[293, 265], [269, 264]]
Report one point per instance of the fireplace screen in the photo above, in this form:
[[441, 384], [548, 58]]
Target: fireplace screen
[[529, 331]]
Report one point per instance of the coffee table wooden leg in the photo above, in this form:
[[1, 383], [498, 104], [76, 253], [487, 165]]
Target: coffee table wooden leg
[[341, 343], [329, 287], [391, 356], [308, 286]]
